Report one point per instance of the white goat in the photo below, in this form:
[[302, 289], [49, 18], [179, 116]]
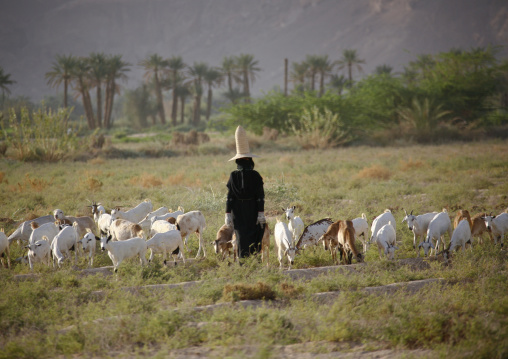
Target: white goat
[[284, 242], [161, 226], [167, 215], [83, 222], [312, 233], [461, 235], [88, 244], [134, 215], [438, 226], [418, 225], [122, 229], [97, 210], [170, 241], [386, 241], [39, 251], [295, 224], [147, 221], [379, 222], [49, 230], [498, 225], [4, 248], [119, 251], [24, 230], [361, 229], [192, 222], [103, 223], [63, 242]]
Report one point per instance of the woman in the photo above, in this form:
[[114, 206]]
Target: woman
[[246, 199]]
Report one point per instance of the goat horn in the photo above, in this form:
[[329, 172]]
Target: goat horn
[[411, 212]]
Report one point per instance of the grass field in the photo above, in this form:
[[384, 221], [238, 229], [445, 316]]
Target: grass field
[[57, 312]]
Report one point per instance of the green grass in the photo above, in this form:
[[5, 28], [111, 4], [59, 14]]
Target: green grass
[[467, 317]]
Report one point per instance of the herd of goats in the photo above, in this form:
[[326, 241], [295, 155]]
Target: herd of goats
[[129, 234]]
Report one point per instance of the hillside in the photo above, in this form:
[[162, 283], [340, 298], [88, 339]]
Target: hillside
[[390, 32]]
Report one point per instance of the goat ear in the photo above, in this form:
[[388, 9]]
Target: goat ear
[[27, 246], [395, 247], [420, 245], [411, 213], [97, 238], [294, 207]]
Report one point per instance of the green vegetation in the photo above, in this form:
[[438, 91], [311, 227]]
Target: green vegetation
[[59, 313]]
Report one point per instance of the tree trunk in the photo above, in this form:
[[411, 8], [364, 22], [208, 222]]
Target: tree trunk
[[209, 104], [322, 84], [175, 101], [66, 89], [110, 96], [285, 77], [160, 104], [99, 105], [246, 89], [182, 110], [197, 110]]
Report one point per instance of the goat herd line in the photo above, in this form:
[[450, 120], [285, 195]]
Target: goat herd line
[[123, 235]]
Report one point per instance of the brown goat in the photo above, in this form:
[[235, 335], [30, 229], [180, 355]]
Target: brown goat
[[462, 214], [346, 238], [479, 228], [226, 243], [331, 241], [265, 246]]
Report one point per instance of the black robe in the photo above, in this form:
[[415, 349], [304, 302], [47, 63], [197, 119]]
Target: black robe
[[246, 198]]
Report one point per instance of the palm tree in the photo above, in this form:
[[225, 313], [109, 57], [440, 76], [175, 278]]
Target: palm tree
[[182, 91], [312, 62], [247, 66], [230, 71], [5, 80], [349, 60], [213, 77], [97, 74], [383, 70], [422, 116], [115, 70], [197, 72], [82, 84], [338, 82], [61, 72], [298, 74], [154, 66], [324, 67], [175, 65]]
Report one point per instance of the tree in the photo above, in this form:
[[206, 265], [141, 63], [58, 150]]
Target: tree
[[97, 74], [81, 83], [349, 60], [182, 92], [154, 66], [5, 80], [383, 70], [115, 70], [312, 62], [197, 72], [247, 66], [61, 72], [324, 67], [338, 82], [175, 65], [298, 74], [213, 77], [229, 69]]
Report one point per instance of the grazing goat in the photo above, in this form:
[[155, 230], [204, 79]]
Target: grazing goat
[[462, 214], [461, 235], [39, 251], [119, 251], [346, 238], [84, 222], [386, 241], [65, 241], [312, 233], [379, 222], [4, 248], [24, 230], [438, 226], [161, 226], [88, 244], [295, 224], [121, 229], [284, 242], [223, 243], [498, 225], [146, 222], [418, 225], [362, 229], [170, 241], [49, 230], [169, 215], [479, 228], [134, 215], [330, 241], [103, 223], [192, 222]]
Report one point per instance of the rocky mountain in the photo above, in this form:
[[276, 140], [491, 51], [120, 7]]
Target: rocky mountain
[[389, 32]]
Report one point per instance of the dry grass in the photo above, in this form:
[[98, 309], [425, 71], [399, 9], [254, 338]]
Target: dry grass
[[176, 179], [31, 184], [3, 178], [91, 183], [411, 165], [96, 161], [146, 180], [241, 291], [374, 172]]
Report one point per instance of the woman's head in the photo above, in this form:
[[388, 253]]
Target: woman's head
[[245, 162]]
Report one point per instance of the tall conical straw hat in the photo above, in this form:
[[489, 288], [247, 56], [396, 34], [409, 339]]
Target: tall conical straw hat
[[242, 144]]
